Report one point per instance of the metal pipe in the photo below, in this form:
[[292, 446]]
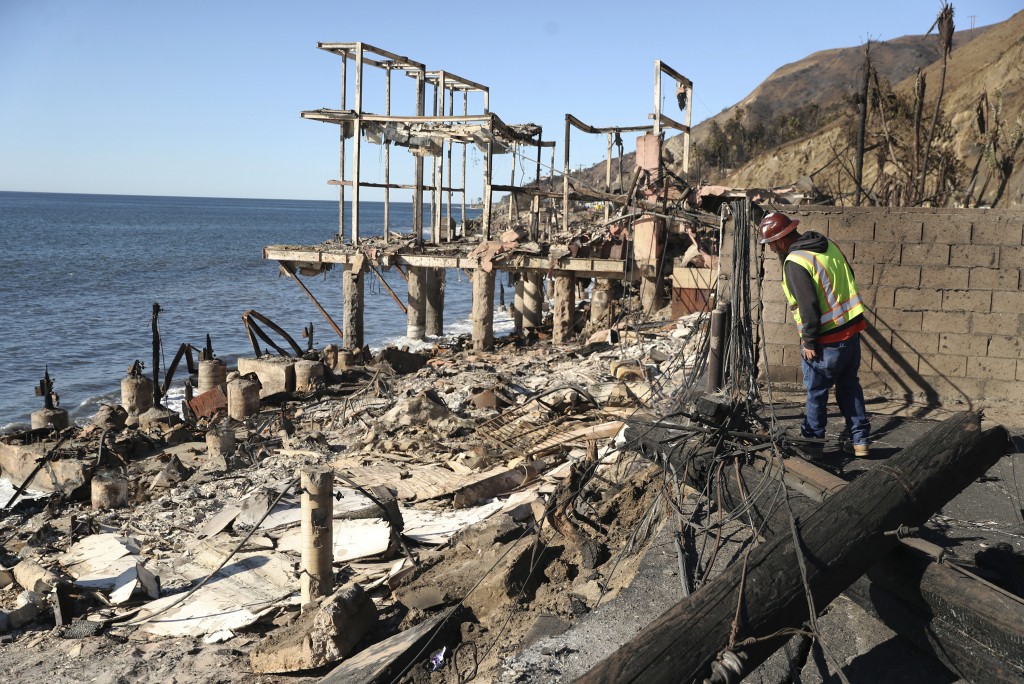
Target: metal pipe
[[719, 318]]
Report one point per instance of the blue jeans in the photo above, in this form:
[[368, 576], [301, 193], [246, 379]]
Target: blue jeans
[[836, 365]]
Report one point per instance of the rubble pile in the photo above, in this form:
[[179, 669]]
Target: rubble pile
[[477, 492]]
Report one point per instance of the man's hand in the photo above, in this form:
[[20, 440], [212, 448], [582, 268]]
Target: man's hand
[[810, 354]]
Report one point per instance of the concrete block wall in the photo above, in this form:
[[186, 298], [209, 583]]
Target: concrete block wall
[[944, 299]]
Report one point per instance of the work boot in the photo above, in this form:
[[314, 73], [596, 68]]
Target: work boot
[[858, 450]]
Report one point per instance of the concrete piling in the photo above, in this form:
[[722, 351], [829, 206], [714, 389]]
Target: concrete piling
[[109, 489], [243, 398], [317, 526], [483, 309], [212, 373], [416, 327], [136, 396]]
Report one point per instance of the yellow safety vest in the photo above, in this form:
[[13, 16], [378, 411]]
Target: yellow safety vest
[[838, 298]]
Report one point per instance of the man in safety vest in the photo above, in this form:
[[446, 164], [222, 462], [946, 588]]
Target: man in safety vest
[[827, 307]]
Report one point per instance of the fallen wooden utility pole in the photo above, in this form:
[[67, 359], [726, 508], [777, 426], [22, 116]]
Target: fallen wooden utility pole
[[972, 627], [843, 537]]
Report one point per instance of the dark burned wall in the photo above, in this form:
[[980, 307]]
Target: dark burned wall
[[943, 291]]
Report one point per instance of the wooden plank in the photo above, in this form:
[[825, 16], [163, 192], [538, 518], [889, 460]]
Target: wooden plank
[[386, 660], [692, 278], [843, 536], [413, 482], [972, 627]]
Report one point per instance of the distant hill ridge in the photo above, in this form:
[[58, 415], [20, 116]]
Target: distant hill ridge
[[984, 60]]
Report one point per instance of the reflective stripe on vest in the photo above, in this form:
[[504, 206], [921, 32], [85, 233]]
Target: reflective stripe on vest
[[838, 298]]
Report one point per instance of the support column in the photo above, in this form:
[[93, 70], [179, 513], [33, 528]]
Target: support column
[[517, 304], [352, 292], [533, 300], [416, 323], [564, 313], [435, 301], [601, 303], [652, 295], [483, 309], [317, 528]]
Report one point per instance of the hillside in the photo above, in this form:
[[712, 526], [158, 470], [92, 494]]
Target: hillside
[[991, 61]]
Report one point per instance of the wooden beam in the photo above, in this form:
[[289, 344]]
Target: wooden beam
[[844, 536]]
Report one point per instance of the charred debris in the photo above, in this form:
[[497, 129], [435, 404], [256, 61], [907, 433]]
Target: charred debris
[[427, 515]]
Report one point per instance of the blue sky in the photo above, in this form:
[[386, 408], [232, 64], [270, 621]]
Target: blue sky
[[203, 98]]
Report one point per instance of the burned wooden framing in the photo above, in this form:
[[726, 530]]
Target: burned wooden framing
[[432, 128]]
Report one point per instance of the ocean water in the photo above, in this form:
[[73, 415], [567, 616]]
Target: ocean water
[[81, 274]]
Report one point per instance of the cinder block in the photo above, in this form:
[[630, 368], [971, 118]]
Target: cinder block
[[945, 321], [783, 374], [872, 253], [899, 363], [850, 227], [951, 389], [990, 368], [1004, 390], [946, 365], [793, 356], [1005, 347], [912, 321], [996, 232], [879, 297], [994, 279], [961, 343], [276, 374], [966, 300], [941, 278], [916, 299], [923, 343], [1007, 302], [974, 255], [1011, 257], [995, 323], [898, 276], [781, 333], [774, 293], [901, 229], [775, 313], [927, 254], [774, 353], [946, 230]]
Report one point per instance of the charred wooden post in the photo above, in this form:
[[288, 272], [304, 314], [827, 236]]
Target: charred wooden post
[[51, 415], [352, 291], [341, 142], [483, 309], [435, 301], [517, 304], [356, 140], [972, 627], [417, 195], [156, 353], [844, 536], [564, 311], [417, 310], [317, 533]]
